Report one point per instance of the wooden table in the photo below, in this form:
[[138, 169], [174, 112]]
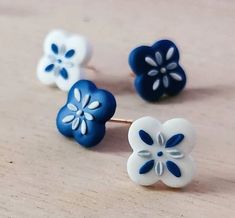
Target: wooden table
[[43, 174]]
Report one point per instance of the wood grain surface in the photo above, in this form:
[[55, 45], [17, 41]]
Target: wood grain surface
[[43, 174]]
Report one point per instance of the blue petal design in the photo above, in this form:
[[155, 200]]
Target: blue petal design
[[64, 73], [49, 68], [54, 48], [70, 53], [174, 140], [146, 138], [173, 168], [146, 167]]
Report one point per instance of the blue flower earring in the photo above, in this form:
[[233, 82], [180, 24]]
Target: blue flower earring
[[157, 70], [85, 113]]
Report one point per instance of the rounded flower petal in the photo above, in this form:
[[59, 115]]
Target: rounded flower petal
[[141, 170], [73, 75], [178, 172], [143, 133], [181, 126], [46, 71]]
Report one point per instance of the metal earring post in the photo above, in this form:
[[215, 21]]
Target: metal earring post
[[118, 120]]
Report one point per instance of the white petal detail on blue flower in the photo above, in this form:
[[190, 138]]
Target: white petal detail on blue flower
[[169, 53], [150, 61], [72, 107], [93, 105], [165, 81], [85, 100], [176, 76], [158, 58], [171, 66], [88, 116], [75, 123], [77, 94], [153, 72], [68, 119], [156, 84], [83, 127]]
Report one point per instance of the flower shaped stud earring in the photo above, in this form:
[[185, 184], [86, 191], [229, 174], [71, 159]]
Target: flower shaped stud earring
[[157, 70], [161, 152], [64, 58], [85, 113]]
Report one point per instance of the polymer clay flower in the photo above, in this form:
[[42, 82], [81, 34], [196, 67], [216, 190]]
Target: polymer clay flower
[[85, 113], [64, 58], [157, 70], [161, 152]]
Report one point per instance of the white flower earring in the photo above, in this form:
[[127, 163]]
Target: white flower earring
[[65, 56], [161, 152]]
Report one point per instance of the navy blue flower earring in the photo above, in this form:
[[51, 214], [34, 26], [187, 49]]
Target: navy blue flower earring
[[157, 70], [85, 113]]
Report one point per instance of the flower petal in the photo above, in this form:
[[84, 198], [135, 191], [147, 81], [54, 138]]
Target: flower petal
[[171, 66], [174, 153], [153, 72], [69, 53], [150, 61], [147, 167], [158, 57], [176, 76], [93, 105], [68, 118], [75, 123], [169, 53], [160, 139], [72, 107], [77, 94], [144, 153], [83, 127], [88, 116], [174, 140], [146, 138], [85, 100], [159, 168], [64, 73], [54, 48], [173, 168], [156, 84], [49, 68], [165, 81]]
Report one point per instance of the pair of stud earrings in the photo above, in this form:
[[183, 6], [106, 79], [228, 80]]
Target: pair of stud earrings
[[160, 151]]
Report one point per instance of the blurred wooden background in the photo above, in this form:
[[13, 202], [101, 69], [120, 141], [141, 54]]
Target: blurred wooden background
[[43, 174]]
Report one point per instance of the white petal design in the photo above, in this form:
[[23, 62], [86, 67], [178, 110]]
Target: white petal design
[[174, 153], [77, 94], [150, 61], [79, 112], [152, 72], [171, 66], [83, 127], [156, 84], [85, 100], [144, 153], [160, 139], [169, 53], [158, 57], [68, 119], [159, 168], [75, 123], [88, 116], [93, 105], [72, 107], [165, 81], [176, 76]]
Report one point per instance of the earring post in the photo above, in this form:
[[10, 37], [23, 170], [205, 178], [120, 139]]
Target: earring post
[[119, 120]]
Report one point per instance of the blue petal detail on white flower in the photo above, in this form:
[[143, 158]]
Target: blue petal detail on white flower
[[147, 167], [174, 140], [64, 73], [49, 68], [145, 137], [173, 168], [70, 53], [54, 48]]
